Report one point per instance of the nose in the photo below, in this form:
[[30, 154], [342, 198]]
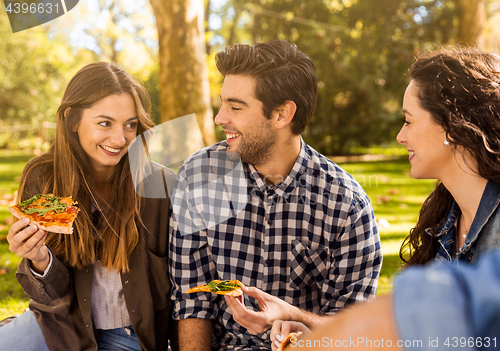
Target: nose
[[401, 137], [221, 118], [118, 136]]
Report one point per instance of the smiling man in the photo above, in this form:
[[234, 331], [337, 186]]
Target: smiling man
[[305, 242]]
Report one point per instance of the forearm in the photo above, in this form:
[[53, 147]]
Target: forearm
[[195, 334], [310, 320], [372, 321]]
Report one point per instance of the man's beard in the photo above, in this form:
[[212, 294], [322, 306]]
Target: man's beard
[[256, 148]]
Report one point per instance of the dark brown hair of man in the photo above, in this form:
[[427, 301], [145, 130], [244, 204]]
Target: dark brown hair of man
[[282, 73], [461, 90]]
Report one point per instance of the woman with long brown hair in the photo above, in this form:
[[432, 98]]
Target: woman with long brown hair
[[106, 285], [452, 134]]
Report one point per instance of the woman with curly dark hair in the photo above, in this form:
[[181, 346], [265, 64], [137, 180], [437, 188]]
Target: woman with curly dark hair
[[452, 133]]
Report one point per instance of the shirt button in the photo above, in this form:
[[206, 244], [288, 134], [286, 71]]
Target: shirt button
[[86, 271], [84, 300], [133, 311], [87, 325], [268, 261], [270, 222], [126, 281], [469, 259]]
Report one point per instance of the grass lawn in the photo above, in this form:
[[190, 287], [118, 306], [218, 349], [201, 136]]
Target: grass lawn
[[395, 196], [12, 298]]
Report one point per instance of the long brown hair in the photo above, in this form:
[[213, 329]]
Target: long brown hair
[[461, 90], [66, 170]]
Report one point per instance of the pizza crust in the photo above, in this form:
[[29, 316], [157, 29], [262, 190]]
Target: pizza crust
[[53, 228], [235, 293], [288, 340]]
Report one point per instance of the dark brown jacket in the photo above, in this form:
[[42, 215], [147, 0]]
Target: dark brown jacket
[[61, 300]]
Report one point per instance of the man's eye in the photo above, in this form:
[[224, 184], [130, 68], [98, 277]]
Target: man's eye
[[235, 108], [406, 122]]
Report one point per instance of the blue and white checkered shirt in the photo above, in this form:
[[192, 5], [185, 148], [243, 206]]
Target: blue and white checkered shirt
[[312, 240]]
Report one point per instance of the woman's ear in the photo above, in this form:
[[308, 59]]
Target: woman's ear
[[285, 114], [74, 126]]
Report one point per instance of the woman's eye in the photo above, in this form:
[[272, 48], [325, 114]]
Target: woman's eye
[[132, 125], [105, 123]]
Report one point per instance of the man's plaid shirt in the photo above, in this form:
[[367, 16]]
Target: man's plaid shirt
[[312, 241]]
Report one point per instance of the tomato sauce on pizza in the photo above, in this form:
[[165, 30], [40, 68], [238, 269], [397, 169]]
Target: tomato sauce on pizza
[[52, 213]]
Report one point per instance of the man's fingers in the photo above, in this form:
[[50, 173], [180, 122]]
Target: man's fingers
[[253, 292], [250, 320]]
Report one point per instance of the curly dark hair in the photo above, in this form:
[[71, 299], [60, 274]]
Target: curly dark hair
[[461, 90]]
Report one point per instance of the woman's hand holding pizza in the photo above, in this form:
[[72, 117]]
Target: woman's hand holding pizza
[[29, 242], [281, 329]]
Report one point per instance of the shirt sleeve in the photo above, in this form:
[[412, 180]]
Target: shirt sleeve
[[190, 261], [449, 305], [53, 285], [356, 261], [46, 269]]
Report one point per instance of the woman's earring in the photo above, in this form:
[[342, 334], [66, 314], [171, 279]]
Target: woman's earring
[[446, 142]]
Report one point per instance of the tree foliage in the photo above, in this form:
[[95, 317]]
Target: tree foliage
[[35, 67], [362, 50]]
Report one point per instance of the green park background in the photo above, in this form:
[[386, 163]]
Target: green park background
[[362, 50]]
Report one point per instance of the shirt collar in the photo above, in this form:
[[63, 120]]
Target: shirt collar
[[292, 179], [488, 204], [448, 224]]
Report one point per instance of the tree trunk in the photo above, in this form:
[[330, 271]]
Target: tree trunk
[[471, 22], [183, 78], [206, 15]]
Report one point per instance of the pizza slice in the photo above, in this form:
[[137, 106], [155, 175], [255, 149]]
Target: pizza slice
[[48, 212], [221, 287], [288, 339]]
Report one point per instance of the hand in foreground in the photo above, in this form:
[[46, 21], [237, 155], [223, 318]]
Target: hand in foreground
[[281, 329], [29, 243], [271, 309]]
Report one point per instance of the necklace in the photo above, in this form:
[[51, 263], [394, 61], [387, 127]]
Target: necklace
[[464, 235]]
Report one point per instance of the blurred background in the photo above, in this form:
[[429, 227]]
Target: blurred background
[[362, 50]]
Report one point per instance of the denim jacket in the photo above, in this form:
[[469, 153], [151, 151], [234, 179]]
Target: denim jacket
[[484, 233], [449, 307]]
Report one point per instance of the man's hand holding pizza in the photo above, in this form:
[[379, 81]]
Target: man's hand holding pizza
[[29, 242], [271, 308]]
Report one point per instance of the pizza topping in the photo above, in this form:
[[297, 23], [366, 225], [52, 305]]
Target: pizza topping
[[222, 285], [41, 205], [53, 213]]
